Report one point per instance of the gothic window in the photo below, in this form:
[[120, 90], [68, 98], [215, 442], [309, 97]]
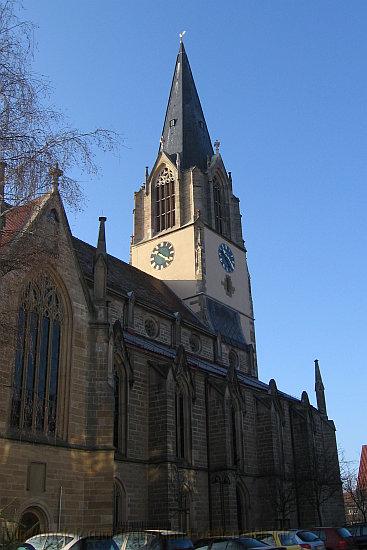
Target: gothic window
[[183, 426], [234, 434], [40, 330], [241, 510], [165, 200], [119, 506], [120, 409], [219, 216]]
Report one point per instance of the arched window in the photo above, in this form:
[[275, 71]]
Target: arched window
[[234, 433], [32, 522], [120, 410], [241, 509], [36, 380], [219, 213], [183, 426], [165, 200], [119, 506]]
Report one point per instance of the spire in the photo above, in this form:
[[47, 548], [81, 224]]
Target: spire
[[184, 131], [319, 389]]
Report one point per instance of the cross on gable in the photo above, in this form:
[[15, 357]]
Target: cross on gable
[[228, 287]]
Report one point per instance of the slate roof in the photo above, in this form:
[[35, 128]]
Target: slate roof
[[189, 135], [124, 278], [227, 322], [208, 366]]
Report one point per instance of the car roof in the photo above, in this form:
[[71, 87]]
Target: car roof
[[53, 534], [167, 532], [225, 537], [270, 531]]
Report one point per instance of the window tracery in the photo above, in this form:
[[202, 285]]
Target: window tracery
[[165, 200], [35, 388]]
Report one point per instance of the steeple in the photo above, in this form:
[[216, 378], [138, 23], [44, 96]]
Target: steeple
[[319, 389], [184, 131]]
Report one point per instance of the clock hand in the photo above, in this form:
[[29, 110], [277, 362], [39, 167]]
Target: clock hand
[[162, 255], [228, 258]]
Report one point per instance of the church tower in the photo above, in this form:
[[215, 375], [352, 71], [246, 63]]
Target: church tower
[[187, 221]]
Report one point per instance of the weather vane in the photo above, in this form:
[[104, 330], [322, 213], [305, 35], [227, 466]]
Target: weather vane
[[182, 35]]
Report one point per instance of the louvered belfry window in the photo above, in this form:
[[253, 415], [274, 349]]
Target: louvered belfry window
[[165, 200], [218, 207], [35, 387]]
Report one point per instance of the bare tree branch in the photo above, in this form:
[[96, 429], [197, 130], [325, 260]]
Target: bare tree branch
[[34, 136]]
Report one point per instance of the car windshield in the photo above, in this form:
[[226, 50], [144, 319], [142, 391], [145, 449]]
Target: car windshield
[[307, 536], [179, 543], [288, 539], [343, 532], [118, 539], [135, 540], [252, 543], [50, 542]]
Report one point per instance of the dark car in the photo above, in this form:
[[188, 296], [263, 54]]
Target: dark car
[[154, 539], [232, 543], [359, 533], [335, 538]]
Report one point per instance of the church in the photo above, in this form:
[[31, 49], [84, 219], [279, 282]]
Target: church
[[129, 392]]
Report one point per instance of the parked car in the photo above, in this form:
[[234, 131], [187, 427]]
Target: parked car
[[231, 543], [308, 540], [359, 534], [277, 538], [335, 538], [62, 541], [154, 539]]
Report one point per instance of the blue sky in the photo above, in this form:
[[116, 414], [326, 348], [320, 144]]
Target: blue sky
[[283, 86]]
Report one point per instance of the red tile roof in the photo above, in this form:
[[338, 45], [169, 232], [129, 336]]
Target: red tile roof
[[17, 218], [362, 473]]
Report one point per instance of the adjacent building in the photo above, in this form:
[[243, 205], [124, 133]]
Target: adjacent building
[[362, 472]]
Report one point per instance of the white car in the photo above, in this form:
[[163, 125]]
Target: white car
[[67, 541]]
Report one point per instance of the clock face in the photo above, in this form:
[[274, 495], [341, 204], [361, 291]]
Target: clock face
[[162, 255], [226, 258]]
